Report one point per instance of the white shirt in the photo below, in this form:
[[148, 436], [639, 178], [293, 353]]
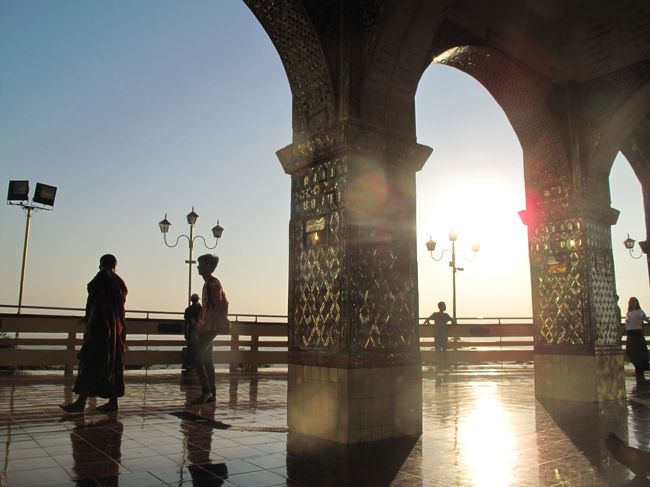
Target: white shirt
[[634, 320]]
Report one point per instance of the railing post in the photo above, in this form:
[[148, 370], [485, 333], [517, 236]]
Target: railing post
[[234, 347], [70, 348], [255, 342]]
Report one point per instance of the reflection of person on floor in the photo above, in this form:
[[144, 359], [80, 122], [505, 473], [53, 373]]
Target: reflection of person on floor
[[101, 358], [635, 347], [190, 318], [91, 442], [635, 459], [213, 320], [198, 443]]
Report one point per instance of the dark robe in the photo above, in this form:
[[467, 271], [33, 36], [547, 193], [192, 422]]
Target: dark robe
[[637, 350], [101, 358]]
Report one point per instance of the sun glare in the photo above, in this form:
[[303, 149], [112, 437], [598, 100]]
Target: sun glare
[[485, 436], [482, 212]]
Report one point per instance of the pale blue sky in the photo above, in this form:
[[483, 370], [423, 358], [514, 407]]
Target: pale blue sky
[[134, 109]]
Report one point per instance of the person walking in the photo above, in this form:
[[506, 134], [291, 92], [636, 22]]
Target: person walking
[[635, 346], [213, 320], [191, 318], [101, 358]]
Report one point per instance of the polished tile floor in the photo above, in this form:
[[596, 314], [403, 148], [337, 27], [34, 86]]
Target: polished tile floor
[[482, 427]]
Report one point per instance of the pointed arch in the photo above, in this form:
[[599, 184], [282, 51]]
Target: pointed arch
[[291, 31]]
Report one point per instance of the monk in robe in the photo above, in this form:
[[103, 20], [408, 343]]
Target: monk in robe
[[101, 358]]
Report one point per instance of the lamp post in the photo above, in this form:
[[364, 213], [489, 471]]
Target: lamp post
[[431, 246], [217, 231], [18, 195]]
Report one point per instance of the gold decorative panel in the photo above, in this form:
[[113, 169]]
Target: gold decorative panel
[[602, 284], [573, 283], [557, 267], [382, 298], [318, 256], [353, 285]]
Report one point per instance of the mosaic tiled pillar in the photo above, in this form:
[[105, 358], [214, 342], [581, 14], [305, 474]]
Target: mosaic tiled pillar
[[354, 360], [577, 354]]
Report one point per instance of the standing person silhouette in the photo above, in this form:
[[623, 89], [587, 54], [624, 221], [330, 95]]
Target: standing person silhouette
[[101, 358], [191, 318], [213, 320], [635, 346], [440, 319]]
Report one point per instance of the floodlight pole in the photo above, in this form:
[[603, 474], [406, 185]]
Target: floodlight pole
[[29, 210]]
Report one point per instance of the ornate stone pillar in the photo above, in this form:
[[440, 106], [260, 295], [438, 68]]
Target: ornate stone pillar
[[354, 360], [577, 353]]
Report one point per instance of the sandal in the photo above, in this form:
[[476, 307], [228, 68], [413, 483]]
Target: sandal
[[73, 408]]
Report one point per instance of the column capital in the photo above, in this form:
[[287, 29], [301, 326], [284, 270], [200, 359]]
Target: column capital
[[354, 136], [606, 216]]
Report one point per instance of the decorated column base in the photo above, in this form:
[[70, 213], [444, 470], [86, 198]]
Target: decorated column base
[[592, 378], [350, 406]]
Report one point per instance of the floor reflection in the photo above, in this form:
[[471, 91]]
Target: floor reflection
[[317, 462], [96, 448], [583, 429], [487, 440], [481, 426], [197, 444]]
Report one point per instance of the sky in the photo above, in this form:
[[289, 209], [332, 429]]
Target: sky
[[134, 110]]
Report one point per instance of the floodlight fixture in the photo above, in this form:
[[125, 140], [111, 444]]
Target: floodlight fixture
[[18, 191], [44, 194]]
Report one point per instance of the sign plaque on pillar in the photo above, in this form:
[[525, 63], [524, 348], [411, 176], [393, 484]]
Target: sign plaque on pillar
[[315, 232]]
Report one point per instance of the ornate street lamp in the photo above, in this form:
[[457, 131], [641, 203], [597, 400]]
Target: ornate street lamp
[[217, 231], [431, 247], [629, 245], [18, 195]]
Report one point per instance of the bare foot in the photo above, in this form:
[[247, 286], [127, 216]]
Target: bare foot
[[74, 407], [635, 459]]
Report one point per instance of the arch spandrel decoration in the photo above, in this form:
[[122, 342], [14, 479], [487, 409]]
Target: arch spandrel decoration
[[294, 37]]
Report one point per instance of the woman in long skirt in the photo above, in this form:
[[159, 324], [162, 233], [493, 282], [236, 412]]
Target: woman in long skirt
[[101, 358], [635, 347]]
